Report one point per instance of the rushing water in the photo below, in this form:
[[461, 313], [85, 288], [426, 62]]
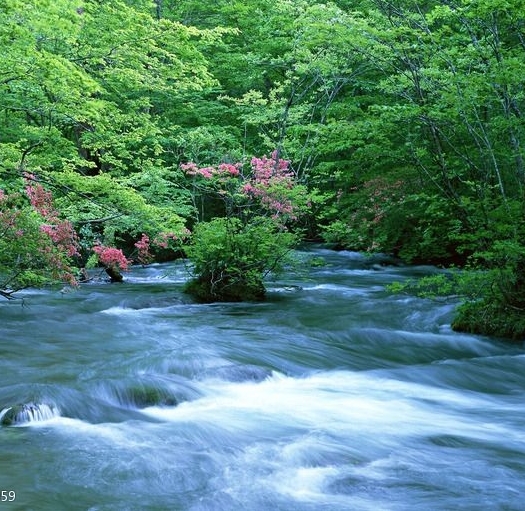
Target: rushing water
[[331, 395]]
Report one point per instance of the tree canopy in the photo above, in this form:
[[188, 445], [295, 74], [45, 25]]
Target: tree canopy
[[402, 121]]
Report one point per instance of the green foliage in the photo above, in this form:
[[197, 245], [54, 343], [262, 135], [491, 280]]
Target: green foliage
[[316, 262], [389, 216], [493, 298], [403, 122], [433, 286], [82, 90], [109, 210], [499, 309], [29, 256], [23, 263], [450, 284], [490, 318], [231, 258]]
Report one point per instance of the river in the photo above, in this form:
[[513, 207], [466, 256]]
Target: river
[[332, 395]]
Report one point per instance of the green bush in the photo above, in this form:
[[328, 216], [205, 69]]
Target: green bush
[[490, 318], [231, 258], [494, 298]]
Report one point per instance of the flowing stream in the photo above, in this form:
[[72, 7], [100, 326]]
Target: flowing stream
[[332, 395]]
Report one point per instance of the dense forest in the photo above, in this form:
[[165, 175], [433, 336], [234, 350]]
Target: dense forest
[[227, 131]]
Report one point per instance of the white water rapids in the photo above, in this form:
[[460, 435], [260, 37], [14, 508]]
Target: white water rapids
[[332, 395]]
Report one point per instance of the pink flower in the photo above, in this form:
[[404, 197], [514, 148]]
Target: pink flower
[[206, 172], [228, 168], [111, 257], [249, 189], [143, 246], [190, 168]]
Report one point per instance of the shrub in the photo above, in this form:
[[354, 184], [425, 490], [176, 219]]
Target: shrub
[[232, 258], [36, 246], [233, 253]]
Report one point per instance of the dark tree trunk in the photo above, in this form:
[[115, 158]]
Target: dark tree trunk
[[114, 274]]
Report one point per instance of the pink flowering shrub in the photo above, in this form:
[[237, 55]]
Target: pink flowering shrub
[[37, 247], [61, 232], [111, 257], [233, 253], [274, 184], [167, 240], [268, 188], [163, 240], [143, 247], [64, 240]]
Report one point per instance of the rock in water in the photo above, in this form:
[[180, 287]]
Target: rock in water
[[27, 412]]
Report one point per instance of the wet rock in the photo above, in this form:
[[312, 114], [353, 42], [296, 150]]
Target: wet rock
[[27, 412], [142, 396]]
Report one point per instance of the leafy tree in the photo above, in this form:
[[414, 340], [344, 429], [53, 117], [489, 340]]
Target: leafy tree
[[403, 119], [233, 253], [450, 75], [37, 247], [84, 92]]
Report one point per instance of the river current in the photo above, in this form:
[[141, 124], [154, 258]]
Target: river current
[[334, 394]]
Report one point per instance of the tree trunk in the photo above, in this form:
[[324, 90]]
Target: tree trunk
[[114, 274]]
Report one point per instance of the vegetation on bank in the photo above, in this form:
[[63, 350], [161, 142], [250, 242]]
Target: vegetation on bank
[[400, 124]]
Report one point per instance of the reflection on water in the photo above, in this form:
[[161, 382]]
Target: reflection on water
[[332, 395]]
